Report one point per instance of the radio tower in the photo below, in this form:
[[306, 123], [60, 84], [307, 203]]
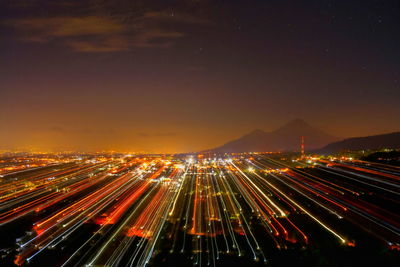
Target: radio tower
[[302, 147]]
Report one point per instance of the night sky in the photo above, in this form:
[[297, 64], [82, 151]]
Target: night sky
[[178, 76]]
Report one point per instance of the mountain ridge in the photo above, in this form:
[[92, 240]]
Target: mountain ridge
[[285, 138], [371, 142]]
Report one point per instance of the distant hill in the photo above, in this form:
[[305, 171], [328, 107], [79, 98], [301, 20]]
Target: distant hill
[[286, 138], [375, 142], [390, 157]]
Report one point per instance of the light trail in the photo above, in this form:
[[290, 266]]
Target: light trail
[[205, 209]]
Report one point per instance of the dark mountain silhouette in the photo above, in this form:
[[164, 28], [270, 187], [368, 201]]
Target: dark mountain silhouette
[[375, 142], [286, 138]]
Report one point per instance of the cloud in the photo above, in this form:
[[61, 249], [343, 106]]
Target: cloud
[[97, 32], [156, 38], [110, 44], [83, 34], [68, 26]]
